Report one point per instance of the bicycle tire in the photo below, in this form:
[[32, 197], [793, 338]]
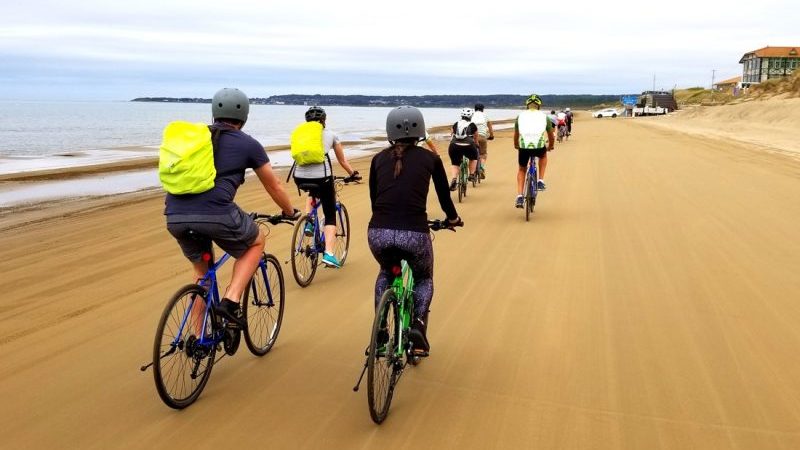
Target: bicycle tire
[[460, 191], [382, 372], [304, 253], [264, 320], [342, 244], [167, 359], [527, 198]]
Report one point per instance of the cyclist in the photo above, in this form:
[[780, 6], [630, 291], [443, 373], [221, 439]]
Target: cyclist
[[561, 119], [530, 130], [322, 175], [213, 216], [569, 122], [485, 132], [463, 143], [399, 179]]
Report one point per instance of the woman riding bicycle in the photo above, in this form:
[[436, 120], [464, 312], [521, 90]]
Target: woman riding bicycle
[[399, 179], [321, 175], [464, 143]]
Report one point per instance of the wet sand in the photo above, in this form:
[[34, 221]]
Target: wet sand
[[650, 303]]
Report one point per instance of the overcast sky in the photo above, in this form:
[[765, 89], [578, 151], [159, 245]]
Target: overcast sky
[[101, 49]]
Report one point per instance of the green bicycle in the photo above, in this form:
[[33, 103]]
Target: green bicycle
[[463, 178], [390, 348]]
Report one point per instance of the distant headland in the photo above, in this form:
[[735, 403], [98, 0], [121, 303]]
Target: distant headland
[[426, 101]]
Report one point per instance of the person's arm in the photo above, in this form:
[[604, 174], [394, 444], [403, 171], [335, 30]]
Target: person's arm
[[432, 146], [338, 149], [551, 137], [491, 130], [442, 187], [475, 135], [274, 188], [516, 135], [373, 183]]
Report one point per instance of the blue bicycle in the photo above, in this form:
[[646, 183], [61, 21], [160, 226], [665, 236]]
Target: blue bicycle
[[189, 333], [531, 187], [308, 239]]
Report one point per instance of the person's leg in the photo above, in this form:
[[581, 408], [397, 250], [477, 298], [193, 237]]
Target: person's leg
[[418, 246], [380, 242], [472, 155], [542, 164], [243, 269], [455, 160], [522, 167], [327, 197]]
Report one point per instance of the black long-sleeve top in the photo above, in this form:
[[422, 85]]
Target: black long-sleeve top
[[400, 203]]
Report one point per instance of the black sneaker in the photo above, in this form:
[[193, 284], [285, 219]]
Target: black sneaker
[[418, 335], [231, 311], [453, 184]]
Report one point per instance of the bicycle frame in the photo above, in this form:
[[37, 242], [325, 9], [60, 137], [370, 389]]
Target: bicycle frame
[[403, 287], [319, 237]]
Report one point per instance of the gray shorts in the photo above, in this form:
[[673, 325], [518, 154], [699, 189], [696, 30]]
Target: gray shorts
[[234, 233]]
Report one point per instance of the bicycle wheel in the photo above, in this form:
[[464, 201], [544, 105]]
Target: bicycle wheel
[[460, 190], [528, 198], [181, 365], [342, 243], [384, 361], [263, 306], [304, 253]]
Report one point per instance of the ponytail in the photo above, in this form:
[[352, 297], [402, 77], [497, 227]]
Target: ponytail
[[398, 149]]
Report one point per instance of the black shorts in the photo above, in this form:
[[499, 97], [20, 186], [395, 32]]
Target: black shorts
[[234, 233], [524, 155], [456, 152], [325, 191]]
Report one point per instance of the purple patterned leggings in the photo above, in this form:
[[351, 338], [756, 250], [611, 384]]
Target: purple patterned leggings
[[389, 247]]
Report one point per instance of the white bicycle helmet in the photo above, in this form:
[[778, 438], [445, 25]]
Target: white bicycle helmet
[[566, 110], [467, 113]]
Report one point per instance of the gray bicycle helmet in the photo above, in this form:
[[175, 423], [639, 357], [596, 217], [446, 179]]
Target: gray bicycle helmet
[[405, 122], [315, 113], [230, 103]]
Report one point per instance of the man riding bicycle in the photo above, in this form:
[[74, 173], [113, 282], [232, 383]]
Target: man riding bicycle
[[195, 220], [530, 130], [485, 133]]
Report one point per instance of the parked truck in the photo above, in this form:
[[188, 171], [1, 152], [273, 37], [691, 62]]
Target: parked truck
[[652, 103]]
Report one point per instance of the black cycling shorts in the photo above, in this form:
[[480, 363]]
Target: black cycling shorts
[[524, 155], [326, 193], [456, 152]]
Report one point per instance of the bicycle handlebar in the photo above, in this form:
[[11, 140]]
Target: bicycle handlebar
[[444, 224], [274, 219]]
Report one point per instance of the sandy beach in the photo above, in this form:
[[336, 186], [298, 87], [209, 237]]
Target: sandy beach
[[650, 303]]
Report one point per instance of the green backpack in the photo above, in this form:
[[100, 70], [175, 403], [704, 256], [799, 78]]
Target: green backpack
[[307, 144], [186, 158]]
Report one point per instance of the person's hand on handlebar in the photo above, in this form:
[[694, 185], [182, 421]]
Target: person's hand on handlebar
[[457, 222], [294, 215], [355, 176]]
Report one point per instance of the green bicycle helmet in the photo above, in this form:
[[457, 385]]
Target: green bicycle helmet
[[533, 99]]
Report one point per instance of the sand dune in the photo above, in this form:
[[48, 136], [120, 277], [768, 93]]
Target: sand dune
[[771, 124]]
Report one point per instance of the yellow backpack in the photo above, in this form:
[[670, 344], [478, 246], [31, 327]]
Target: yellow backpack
[[186, 158], [307, 144]]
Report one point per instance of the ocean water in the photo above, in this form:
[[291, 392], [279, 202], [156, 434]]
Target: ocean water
[[40, 129]]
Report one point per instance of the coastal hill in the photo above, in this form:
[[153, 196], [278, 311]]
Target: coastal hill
[[429, 101]]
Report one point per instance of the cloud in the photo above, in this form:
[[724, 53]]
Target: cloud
[[362, 47]]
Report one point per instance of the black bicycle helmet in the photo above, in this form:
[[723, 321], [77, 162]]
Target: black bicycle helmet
[[315, 113], [479, 106]]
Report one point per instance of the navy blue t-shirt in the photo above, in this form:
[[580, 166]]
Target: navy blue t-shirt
[[235, 151]]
